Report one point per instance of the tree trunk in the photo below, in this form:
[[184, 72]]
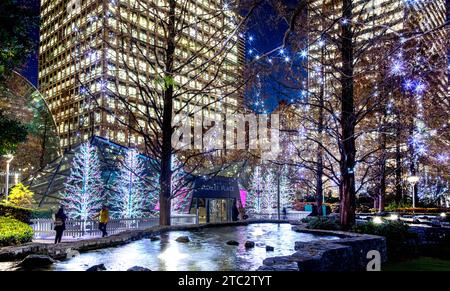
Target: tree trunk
[[319, 156], [412, 163], [348, 149], [398, 167], [167, 130], [382, 186]]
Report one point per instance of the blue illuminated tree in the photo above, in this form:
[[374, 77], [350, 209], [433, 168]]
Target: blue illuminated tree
[[287, 192], [84, 187], [131, 198], [254, 201]]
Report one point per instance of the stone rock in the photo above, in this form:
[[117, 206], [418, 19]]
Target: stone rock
[[269, 249], [283, 268], [232, 243], [249, 244], [33, 261], [183, 239], [97, 268], [155, 238], [138, 269]]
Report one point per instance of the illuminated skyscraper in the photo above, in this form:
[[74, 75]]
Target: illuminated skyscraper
[[84, 60], [377, 25]]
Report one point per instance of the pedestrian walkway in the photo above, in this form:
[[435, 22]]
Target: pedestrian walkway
[[50, 239]]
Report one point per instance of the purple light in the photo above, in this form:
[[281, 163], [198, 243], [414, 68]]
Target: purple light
[[243, 195], [397, 68], [442, 158], [408, 84], [419, 87]]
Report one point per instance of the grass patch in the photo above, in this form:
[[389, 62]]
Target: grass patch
[[418, 264]]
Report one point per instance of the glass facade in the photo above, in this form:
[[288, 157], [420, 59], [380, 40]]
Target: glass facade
[[91, 50]]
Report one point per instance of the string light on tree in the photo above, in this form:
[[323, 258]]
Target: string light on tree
[[83, 195], [131, 197]]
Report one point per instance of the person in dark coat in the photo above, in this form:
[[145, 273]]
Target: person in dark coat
[[60, 224], [235, 211], [284, 213]]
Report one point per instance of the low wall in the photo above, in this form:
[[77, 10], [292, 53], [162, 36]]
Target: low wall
[[431, 236], [349, 253]]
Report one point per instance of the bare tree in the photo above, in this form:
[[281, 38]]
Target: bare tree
[[167, 64]]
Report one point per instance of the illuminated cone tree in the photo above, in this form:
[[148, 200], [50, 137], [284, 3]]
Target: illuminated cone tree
[[84, 187], [131, 197]]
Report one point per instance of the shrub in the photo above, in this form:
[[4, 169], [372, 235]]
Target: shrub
[[320, 222], [20, 196], [23, 214], [14, 232], [332, 200], [19, 213], [422, 210], [393, 206], [397, 236], [363, 209]]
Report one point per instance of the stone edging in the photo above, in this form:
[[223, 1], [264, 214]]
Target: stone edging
[[348, 253]]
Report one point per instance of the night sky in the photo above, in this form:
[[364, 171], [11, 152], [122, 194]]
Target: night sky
[[30, 70]]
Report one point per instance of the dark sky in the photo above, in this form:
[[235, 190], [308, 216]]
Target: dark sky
[[30, 70]]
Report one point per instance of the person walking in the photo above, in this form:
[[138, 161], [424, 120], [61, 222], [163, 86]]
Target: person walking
[[284, 213], [242, 215], [103, 218], [60, 224], [235, 211]]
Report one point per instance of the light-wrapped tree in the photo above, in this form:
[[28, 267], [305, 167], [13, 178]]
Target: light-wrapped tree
[[84, 188], [131, 197], [253, 203]]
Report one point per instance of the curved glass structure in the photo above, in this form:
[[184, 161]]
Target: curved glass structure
[[22, 101]]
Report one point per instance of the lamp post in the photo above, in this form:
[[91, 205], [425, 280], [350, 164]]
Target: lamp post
[[9, 158], [413, 180]]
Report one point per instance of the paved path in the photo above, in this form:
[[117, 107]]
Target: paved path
[[50, 239]]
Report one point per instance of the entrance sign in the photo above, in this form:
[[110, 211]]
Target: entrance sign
[[216, 187]]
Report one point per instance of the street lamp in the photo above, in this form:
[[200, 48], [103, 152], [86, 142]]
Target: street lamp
[[9, 158], [413, 180]]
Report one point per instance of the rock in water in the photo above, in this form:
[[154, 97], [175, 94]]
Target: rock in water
[[232, 243], [249, 244], [282, 268], [138, 269], [269, 249], [33, 261], [96, 268], [154, 238], [183, 239]]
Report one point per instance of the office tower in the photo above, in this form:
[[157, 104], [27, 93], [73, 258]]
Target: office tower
[[91, 50]]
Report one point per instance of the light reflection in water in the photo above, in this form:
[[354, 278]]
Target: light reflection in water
[[206, 251]]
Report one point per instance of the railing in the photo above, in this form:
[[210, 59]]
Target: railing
[[291, 215], [183, 219], [77, 228]]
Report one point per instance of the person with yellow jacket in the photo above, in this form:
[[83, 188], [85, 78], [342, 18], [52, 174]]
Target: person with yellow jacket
[[103, 218]]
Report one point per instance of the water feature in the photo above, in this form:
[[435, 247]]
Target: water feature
[[206, 251]]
